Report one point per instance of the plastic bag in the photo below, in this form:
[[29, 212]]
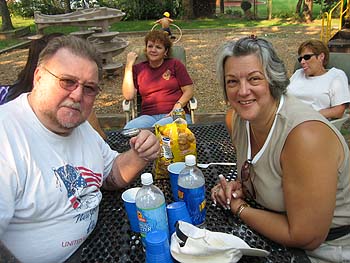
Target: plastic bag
[[176, 141]]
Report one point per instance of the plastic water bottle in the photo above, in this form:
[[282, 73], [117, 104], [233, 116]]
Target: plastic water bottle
[[191, 190], [151, 208]]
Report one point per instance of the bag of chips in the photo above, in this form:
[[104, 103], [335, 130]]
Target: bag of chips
[[176, 141]]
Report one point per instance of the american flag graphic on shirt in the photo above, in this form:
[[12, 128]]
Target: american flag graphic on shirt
[[79, 181]]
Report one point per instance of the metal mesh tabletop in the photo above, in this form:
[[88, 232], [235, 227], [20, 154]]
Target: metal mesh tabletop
[[113, 241]]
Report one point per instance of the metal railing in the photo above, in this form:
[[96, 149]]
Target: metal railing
[[327, 31]]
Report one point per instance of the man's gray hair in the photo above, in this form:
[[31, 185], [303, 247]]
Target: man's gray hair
[[77, 46], [273, 67]]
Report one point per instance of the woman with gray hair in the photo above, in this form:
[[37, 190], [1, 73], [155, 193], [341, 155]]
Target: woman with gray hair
[[290, 159]]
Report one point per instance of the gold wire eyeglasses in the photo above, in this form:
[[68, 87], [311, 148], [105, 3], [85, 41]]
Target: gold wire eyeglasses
[[70, 84]]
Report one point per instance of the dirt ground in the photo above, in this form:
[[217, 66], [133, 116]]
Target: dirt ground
[[201, 47]]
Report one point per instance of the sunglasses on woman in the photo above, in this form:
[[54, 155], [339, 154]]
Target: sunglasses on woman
[[247, 181], [306, 57]]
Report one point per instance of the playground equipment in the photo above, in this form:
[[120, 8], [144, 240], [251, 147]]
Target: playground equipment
[[176, 31], [99, 19], [337, 37]]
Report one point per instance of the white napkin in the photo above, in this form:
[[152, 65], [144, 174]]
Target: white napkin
[[206, 247]]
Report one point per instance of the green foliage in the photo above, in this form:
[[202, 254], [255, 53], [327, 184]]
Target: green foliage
[[245, 5], [26, 8], [284, 14], [233, 13], [204, 8], [144, 9], [327, 5], [134, 9]]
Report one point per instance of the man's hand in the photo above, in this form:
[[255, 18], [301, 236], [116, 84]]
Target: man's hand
[[127, 166], [146, 145]]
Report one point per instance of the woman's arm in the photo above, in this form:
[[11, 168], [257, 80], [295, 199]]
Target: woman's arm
[[309, 160], [187, 94], [335, 112], [128, 87]]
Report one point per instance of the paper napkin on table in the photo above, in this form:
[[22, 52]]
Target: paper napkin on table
[[190, 244]]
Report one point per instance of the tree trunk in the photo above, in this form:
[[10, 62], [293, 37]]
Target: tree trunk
[[308, 4], [222, 6], [269, 9], [5, 15], [188, 9], [298, 7]]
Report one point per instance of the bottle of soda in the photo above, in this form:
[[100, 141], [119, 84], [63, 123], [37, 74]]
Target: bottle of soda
[[191, 190], [151, 208], [179, 113]]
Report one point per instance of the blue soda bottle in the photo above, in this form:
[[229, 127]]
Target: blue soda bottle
[[151, 208], [191, 190]]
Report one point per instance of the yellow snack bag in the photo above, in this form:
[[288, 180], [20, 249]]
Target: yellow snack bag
[[176, 141]]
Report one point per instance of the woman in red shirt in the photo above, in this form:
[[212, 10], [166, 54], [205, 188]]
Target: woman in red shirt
[[163, 83]]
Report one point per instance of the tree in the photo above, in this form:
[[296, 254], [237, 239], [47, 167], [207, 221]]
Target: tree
[[246, 6], [5, 15], [306, 6], [222, 6], [188, 9], [307, 10], [269, 9]]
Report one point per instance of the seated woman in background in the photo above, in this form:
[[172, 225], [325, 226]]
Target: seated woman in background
[[290, 159], [163, 83], [325, 90], [24, 82]]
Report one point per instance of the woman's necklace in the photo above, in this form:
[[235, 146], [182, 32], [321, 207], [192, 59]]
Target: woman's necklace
[[270, 121], [254, 137]]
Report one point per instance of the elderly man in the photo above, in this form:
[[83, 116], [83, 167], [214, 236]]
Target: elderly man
[[53, 163]]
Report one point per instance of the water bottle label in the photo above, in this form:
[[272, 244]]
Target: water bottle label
[[152, 219], [195, 202]]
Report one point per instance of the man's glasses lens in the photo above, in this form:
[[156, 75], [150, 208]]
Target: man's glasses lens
[[306, 57], [71, 84]]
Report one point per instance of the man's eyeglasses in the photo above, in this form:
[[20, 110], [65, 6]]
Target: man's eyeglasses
[[71, 84], [247, 185], [306, 57]]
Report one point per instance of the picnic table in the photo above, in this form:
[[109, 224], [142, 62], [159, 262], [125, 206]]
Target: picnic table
[[113, 240]]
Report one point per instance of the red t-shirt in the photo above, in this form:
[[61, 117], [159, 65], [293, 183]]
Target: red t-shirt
[[160, 88]]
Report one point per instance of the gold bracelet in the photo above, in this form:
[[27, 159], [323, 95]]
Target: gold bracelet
[[241, 208]]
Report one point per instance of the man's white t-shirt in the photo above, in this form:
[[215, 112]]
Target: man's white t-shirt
[[49, 184], [321, 92]]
